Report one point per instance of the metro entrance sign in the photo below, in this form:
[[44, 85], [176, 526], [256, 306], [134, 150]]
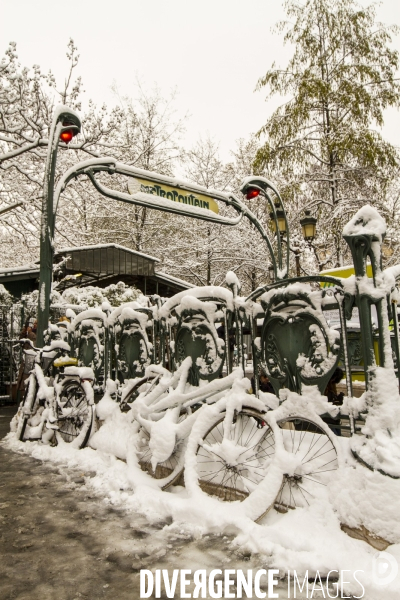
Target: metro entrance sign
[[165, 191], [150, 190]]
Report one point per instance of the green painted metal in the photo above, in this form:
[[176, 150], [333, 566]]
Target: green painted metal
[[196, 336], [134, 349], [89, 344], [295, 346], [62, 116], [361, 247], [111, 166]]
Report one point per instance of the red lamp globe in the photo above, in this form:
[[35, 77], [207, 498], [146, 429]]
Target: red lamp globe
[[252, 193], [66, 136]]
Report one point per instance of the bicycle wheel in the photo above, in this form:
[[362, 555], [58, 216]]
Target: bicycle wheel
[[232, 464], [74, 415], [316, 459], [144, 384], [167, 472], [26, 407]]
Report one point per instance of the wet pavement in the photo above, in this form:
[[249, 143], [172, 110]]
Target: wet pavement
[[58, 540]]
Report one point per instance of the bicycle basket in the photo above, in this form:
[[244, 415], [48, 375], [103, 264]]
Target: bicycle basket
[[46, 363], [29, 363]]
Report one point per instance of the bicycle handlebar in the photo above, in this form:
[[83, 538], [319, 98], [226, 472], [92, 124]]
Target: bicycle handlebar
[[53, 346], [26, 341]]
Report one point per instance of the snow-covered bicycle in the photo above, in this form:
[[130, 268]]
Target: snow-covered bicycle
[[232, 445], [58, 401], [241, 448]]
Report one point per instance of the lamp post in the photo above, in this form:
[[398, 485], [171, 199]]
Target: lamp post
[[308, 227], [66, 124], [255, 186], [279, 224]]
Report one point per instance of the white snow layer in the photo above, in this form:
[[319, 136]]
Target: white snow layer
[[308, 538], [367, 221]]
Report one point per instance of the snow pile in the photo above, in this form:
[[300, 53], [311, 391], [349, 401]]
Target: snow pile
[[216, 293], [367, 221], [6, 298], [91, 296], [308, 538], [379, 446], [364, 498]]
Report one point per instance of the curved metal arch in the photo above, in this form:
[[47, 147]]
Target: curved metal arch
[[264, 185], [109, 165], [318, 278]]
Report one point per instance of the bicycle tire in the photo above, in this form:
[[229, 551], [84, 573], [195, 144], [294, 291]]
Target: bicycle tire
[[168, 472], [29, 398], [317, 458], [74, 415], [233, 472], [136, 390]]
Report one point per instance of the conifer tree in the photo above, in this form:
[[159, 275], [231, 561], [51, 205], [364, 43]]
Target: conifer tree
[[325, 138]]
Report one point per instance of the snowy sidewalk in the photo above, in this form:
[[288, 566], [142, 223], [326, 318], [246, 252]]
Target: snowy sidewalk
[[58, 540]]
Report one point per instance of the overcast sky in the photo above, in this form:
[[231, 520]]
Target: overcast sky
[[211, 51]]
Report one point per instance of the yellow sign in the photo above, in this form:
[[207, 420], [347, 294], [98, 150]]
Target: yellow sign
[[165, 191], [343, 272]]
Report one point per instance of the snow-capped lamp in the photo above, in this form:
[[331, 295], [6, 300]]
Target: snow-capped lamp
[[280, 219], [308, 226], [69, 130], [66, 136], [252, 193]]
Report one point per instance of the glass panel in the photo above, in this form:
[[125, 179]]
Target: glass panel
[[134, 264], [116, 265], [89, 260], [96, 261], [122, 261], [129, 263], [104, 265], [82, 261]]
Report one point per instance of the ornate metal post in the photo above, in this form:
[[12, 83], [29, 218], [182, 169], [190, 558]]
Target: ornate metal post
[[65, 125], [365, 242]]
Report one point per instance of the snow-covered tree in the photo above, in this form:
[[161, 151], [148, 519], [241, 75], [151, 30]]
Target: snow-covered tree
[[27, 101], [325, 138]]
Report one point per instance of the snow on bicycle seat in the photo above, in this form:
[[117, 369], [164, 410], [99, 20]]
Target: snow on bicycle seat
[[56, 345], [65, 361], [84, 373]]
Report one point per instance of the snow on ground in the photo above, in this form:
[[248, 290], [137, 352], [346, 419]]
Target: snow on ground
[[302, 539]]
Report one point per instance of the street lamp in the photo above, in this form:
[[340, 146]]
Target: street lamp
[[254, 186], [66, 124], [308, 226], [271, 273], [280, 219], [309, 229]]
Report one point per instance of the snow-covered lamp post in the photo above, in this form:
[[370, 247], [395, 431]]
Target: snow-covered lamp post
[[252, 187], [308, 226], [66, 124]]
